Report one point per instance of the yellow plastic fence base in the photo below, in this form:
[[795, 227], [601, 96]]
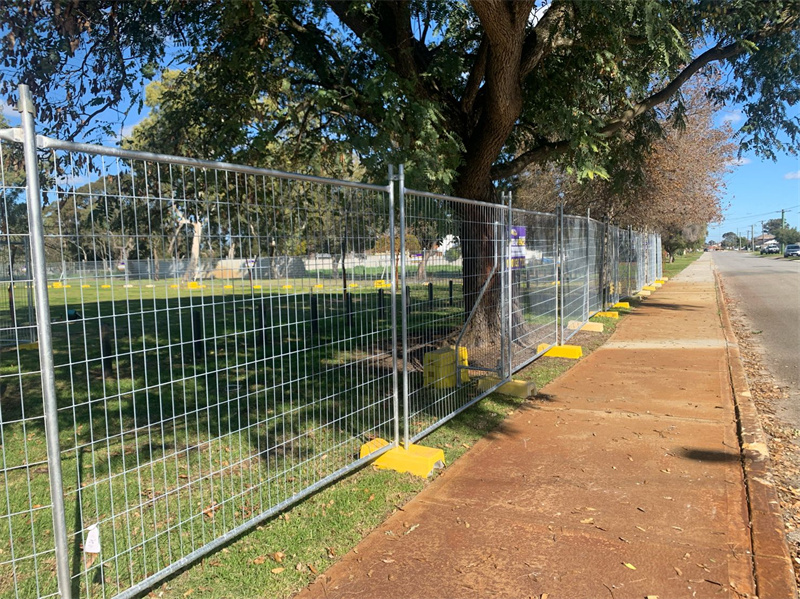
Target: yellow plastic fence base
[[439, 367], [625, 305], [515, 388], [590, 327], [608, 314], [572, 352], [643, 293], [649, 288], [417, 459], [661, 281], [664, 279]]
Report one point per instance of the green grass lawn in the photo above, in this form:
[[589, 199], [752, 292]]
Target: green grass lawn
[[670, 269]]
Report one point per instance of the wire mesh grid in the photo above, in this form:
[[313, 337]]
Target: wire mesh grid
[[534, 289], [574, 275], [27, 550], [222, 345], [449, 313], [611, 278], [596, 246]]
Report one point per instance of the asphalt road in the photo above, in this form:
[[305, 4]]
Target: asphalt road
[[768, 291]]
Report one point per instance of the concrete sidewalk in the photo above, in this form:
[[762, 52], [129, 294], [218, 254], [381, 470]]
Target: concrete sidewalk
[[626, 481]]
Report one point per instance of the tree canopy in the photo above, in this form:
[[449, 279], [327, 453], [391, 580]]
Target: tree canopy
[[469, 93]]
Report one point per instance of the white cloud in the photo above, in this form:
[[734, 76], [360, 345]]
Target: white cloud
[[792, 175], [733, 117], [8, 110], [739, 162]]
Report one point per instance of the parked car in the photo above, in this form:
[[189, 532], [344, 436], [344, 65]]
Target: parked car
[[772, 248], [793, 249]]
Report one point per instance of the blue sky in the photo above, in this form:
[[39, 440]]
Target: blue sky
[[758, 189]]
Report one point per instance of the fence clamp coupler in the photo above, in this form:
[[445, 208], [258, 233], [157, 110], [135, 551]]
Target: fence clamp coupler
[[25, 103]]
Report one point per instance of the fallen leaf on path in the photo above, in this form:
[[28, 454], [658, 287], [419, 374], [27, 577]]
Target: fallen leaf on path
[[629, 566], [588, 521], [412, 529], [678, 570], [312, 568]]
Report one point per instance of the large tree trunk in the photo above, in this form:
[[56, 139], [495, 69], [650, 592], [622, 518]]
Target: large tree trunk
[[502, 107]]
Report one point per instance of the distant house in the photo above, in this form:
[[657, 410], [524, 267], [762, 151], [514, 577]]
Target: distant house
[[765, 239]]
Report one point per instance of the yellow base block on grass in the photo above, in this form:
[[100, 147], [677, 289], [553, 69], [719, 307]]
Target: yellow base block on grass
[[589, 327], [643, 293], [625, 305], [439, 367], [417, 459], [515, 388], [572, 352], [608, 314]]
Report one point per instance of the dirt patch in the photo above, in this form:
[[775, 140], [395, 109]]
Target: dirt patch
[[783, 436]]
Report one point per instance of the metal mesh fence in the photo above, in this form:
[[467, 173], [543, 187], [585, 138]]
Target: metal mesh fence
[[534, 288], [210, 364], [452, 300], [224, 340]]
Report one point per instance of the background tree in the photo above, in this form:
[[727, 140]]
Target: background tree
[[772, 225], [730, 240], [674, 188], [786, 235]]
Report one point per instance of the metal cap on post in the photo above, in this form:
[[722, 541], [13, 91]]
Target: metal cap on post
[[27, 111]]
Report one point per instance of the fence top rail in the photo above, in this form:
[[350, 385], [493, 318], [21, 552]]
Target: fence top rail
[[438, 196], [43, 142], [532, 212]]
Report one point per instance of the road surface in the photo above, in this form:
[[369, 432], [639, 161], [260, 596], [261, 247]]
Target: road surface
[[767, 289]]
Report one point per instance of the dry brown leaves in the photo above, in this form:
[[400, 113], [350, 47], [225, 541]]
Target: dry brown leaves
[[781, 435]]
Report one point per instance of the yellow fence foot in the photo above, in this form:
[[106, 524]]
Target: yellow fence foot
[[591, 327], [572, 352], [515, 388], [625, 305], [608, 314], [417, 459]]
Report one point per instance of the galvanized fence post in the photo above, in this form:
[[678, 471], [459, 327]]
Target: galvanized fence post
[[26, 108], [393, 273], [560, 272], [403, 301], [586, 286], [510, 284]]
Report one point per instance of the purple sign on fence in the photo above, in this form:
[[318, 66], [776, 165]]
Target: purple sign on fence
[[516, 253]]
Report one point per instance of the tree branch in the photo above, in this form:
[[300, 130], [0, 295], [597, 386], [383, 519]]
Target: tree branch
[[545, 37], [475, 78], [548, 150], [716, 53]]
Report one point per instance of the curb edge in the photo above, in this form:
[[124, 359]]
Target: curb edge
[[772, 563]]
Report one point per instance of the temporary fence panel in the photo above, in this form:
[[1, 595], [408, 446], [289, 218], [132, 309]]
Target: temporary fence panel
[[612, 270], [596, 248], [453, 329], [533, 253], [574, 274], [27, 549], [210, 390]]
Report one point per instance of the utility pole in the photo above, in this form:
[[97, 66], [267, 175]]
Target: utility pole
[[752, 238], [783, 226]]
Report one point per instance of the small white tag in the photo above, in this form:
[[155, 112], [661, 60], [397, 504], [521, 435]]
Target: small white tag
[[92, 542]]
